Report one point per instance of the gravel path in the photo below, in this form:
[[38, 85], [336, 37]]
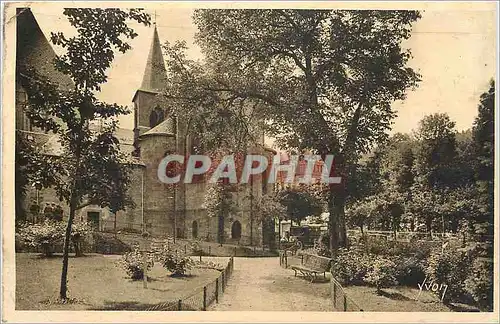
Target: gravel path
[[260, 284]]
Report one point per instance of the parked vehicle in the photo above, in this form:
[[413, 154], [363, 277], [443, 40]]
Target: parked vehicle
[[306, 235]]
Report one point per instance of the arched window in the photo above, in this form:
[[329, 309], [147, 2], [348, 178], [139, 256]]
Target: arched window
[[157, 116], [194, 229], [236, 230]]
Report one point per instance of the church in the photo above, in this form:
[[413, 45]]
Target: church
[[161, 209]]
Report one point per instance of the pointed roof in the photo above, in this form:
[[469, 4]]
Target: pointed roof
[[33, 50], [165, 128], [155, 72]]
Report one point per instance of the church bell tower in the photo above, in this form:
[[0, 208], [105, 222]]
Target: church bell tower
[[147, 113]]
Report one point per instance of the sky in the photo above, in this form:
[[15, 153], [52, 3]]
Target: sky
[[453, 50]]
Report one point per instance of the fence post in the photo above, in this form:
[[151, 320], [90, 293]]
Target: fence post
[[286, 260], [179, 305], [223, 281], [334, 294], [234, 254], [205, 298], [200, 257], [217, 290], [185, 249], [209, 250], [345, 303], [254, 250]]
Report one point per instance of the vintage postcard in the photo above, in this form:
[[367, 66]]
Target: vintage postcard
[[249, 162]]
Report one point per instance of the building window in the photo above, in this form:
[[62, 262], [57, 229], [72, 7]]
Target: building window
[[236, 230], [157, 116], [195, 229]]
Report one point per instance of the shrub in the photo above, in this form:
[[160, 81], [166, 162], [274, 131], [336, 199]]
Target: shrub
[[208, 265], [382, 274], [132, 262], [196, 248], [175, 262], [44, 235], [449, 268], [350, 267], [418, 249], [79, 231], [409, 271], [479, 283]]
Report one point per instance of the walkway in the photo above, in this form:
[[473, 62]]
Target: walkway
[[260, 284]]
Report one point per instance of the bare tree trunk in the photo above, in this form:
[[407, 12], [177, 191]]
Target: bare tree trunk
[[64, 274], [77, 243], [428, 225], [332, 225], [336, 208]]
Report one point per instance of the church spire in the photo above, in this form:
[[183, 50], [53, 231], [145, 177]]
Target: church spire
[[155, 72]]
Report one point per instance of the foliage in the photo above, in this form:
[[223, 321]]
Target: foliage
[[351, 266], [317, 79], [449, 268], [409, 270], [483, 134], [208, 265], [43, 235], [381, 274], [196, 248], [219, 204], [79, 231], [378, 246], [91, 169], [268, 207], [479, 283], [49, 233], [219, 200], [133, 264], [299, 203], [175, 261], [435, 151]]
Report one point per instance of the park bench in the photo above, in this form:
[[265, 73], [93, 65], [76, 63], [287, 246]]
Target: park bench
[[312, 265], [291, 247]]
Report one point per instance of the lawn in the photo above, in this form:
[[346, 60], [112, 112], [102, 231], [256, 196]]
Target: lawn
[[400, 299], [395, 299], [97, 283]]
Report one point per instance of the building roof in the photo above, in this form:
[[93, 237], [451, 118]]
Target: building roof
[[34, 50], [52, 145], [155, 72], [165, 128]]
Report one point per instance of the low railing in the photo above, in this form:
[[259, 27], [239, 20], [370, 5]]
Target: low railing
[[340, 300], [202, 298]]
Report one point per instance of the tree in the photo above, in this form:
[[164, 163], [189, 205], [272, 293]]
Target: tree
[[483, 133], [321, 79], [436, 151], [219, 204], [397, 163], [299, 203], [83, 173]]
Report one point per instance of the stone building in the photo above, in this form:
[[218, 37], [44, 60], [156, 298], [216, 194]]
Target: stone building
[[164, 210]]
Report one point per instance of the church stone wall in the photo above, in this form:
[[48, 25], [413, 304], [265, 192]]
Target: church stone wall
[[159, 198]]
